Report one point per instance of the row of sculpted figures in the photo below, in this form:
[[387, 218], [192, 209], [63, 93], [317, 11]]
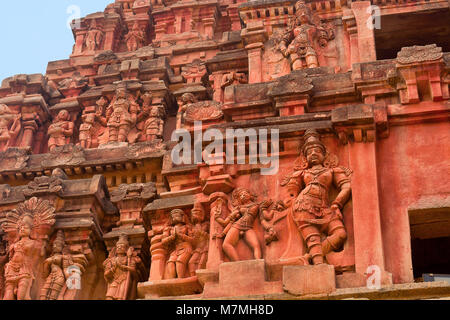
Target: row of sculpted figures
[[125, 118], [122, 119], [223, 228], [240, 226]]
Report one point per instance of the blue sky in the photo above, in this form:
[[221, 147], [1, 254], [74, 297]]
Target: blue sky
[[34, 32]]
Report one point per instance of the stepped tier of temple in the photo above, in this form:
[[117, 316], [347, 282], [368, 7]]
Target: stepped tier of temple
[[353, 97]]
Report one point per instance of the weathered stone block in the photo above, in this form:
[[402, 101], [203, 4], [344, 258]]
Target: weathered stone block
[[303, 280]]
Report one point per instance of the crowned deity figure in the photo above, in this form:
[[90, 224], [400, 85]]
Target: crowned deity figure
[[121, 115], [23, 252], [135, 38], [120, 270], [60, 131], [309, 189], [302, 37], [94, 37]]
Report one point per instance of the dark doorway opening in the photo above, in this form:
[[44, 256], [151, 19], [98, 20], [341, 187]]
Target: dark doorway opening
[[430, 256], [430, 240], [409, 29]]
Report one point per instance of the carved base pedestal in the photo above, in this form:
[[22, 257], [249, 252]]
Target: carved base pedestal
[[243, 278], [303, 280], [169, 288]]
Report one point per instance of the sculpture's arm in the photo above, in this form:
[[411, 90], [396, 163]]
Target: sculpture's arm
[[342, 181]]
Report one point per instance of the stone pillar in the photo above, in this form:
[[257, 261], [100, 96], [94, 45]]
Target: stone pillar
[[29, 129], [255, 62], [366, 208], [366, 35], [158, 253], [208, 24], [216, 83], [110, 32]]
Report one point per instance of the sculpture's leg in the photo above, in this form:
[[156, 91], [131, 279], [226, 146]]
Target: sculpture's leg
[[230, 242], [123, 133], [23, 289], [297, 64], [113, 134], [336, 237], [9, 291], [311, 235], [181, 269], [311, 61], [252, 240], [193, 263], [171, 272]]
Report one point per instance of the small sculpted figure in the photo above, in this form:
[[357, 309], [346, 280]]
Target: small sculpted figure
[[300, 40], [54, 269], [120, 270], [309, 187], [60, 131], [19, 274], [86, 130], [121, 115], [233, 78], [200, 233], [184, 101], [269, 211], [135, 39], [154, 125], [10, 125], [94, 37], [243, 216], [179, 243]]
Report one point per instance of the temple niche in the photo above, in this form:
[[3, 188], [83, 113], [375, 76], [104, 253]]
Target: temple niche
[[327, 171]]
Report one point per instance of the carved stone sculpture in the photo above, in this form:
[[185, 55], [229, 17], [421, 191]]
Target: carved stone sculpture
[[135, 38], [200, 233], [10, 125], [154, 125], [302, 36], [233, 78], [120, 270], [121, 115], [94, 37], [55, 269], [240, 225], [87, 130], [34, 215], [179, 244], [269, 216], [183, 102], [60, 131], [309, 188]]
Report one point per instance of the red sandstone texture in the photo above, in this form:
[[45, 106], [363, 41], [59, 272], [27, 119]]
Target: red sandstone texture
[[92, 205]]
